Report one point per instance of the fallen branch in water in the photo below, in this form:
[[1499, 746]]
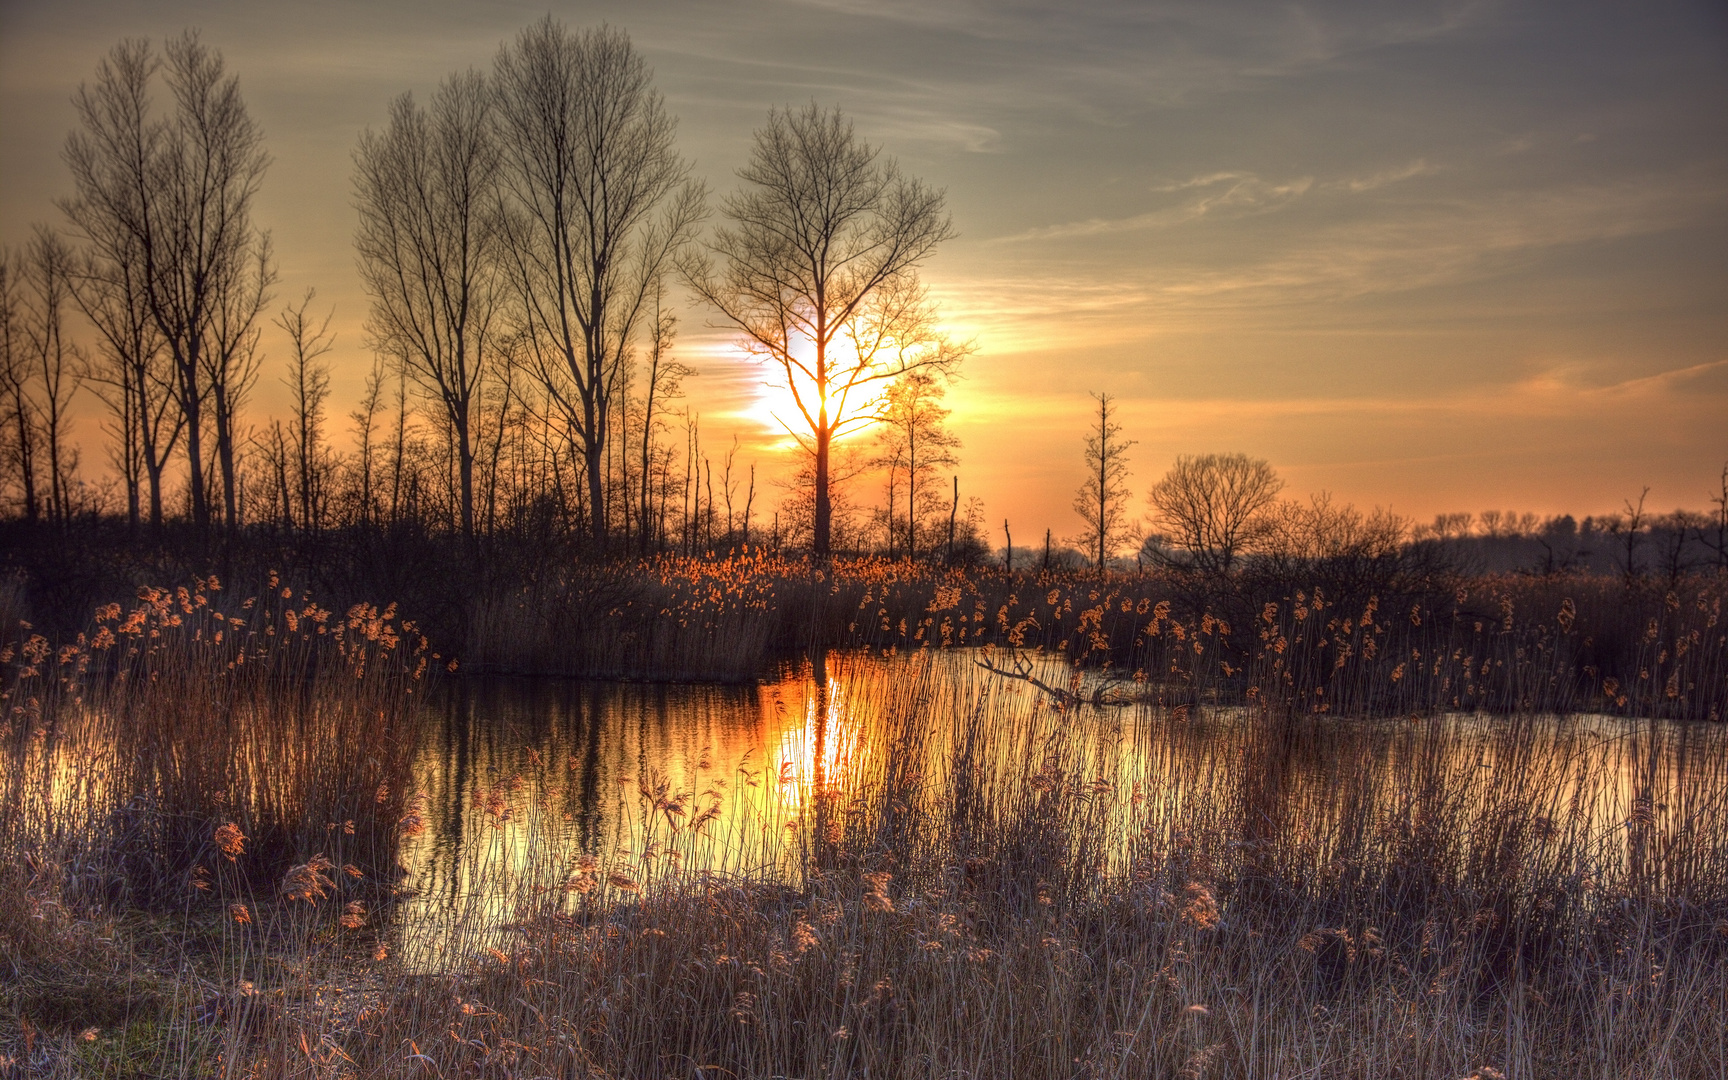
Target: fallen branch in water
[[1022, 671]]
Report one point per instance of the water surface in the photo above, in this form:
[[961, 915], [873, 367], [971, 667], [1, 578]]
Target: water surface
[[527, 781]]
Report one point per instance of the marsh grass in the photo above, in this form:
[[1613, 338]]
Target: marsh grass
[[1338, 644], [175, 735], [987, 885], [1003, 889], [669, 619], [1637, 645], [989, 882]]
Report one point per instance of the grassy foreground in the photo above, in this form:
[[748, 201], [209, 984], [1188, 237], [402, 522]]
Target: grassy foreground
[[205, 801]]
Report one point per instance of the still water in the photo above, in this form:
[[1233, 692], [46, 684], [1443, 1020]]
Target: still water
[[534, 785]]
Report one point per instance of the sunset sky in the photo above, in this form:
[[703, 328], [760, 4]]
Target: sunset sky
[[1437, 256]]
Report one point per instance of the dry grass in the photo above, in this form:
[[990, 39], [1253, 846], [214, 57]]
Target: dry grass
[[669, 618], [997, 887], [1364, 645], [138, 755]]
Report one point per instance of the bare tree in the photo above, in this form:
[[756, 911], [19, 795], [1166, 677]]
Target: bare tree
[[1299, 534], [1629, 533], [308, 383], [174, 195], [819, 276], [1713, 533], [232, 360], [55, 361], [1214, 506], [664, 383], [278, 463], [600, 205], [913, 445], [1447, 527], [131, 373], [1673, 533], [16, 384], [365, 458], [1102, 501], [430, 250]]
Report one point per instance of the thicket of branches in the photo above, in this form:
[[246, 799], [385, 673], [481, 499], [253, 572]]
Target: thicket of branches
[[522, 236]]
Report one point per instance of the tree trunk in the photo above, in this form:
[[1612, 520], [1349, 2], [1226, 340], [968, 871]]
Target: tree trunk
[[191, 405], [824, 510], [911, 496], [225, 458], [153, 470], [646, 506], [594, 458], [465, 469], [132, 425], [26, 459], [953, 511]]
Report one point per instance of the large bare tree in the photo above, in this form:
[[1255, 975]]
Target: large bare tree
[[430, 249], [174, 193], [818, 274], [600, 204], [1214, 507]]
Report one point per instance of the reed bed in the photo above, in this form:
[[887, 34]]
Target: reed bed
[[1624, 644], [1382, 645], [669, 618], [987, 880], [130, 749]]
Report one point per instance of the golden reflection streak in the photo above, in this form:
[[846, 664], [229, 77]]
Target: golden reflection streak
[[819, 753]]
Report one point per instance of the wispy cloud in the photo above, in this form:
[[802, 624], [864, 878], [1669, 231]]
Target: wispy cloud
[[1224, 194], [1419, 167], [1415, 245]]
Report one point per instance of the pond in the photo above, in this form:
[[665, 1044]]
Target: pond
[[535, 785]]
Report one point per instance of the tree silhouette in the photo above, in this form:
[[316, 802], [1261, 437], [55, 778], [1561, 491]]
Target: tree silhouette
[[17, 402], [308, 384], [1102, 501], [173, 196], [600, 203], [430, 251], [913, 445], [1215, 506], [55, 362], [130, 371], [818, 275]]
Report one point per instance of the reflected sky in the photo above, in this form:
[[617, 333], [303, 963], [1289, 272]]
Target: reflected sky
[[586, 792]]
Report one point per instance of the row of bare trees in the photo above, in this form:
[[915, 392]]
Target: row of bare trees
[[522, 235], [1211, 511], [529, 224], [162, 260]]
